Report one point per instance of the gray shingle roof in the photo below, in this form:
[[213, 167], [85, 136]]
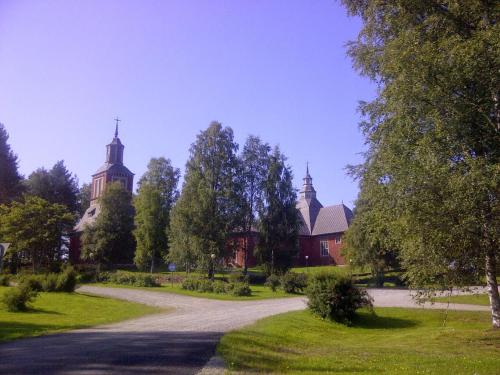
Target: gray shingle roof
[[88, 217], [115, 168], [317, 220]]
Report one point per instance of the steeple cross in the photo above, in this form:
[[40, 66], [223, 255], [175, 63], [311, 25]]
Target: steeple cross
[[117, 119]]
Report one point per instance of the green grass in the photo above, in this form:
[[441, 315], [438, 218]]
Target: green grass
[[472, 299], [396, 341], [258, 292], [55, 312]]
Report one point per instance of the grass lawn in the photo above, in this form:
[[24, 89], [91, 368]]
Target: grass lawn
[[396, 341], [472, 299], [54, 312], [258, 292]]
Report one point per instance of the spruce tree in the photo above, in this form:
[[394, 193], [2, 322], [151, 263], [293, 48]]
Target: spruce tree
[[10, 179]]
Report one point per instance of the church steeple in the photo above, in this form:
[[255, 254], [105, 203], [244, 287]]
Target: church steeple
[[308, 191], [114, 154]]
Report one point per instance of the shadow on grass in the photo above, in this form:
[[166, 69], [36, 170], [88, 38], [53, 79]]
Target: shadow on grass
[[372, 321], [13, 330]]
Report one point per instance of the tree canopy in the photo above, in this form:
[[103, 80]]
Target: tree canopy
[[56, 185], [10, 179], [34, 227], [209, 208], [156, 195], [433, 135], [109, 240]]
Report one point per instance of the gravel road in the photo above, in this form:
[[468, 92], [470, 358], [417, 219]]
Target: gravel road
[[175, 342]]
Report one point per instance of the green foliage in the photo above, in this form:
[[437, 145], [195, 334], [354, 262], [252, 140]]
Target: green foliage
[[66, 281], [10, 179], [83, 198], [254, 163], [133, 278], [292, 282], [240, 289], [190, 283], [156, 196], [57, 185], [5, 280], [273, 282], [110, 240], [333, 296], [18, 298], [208, 210], [238, 276], [33, 282], [279, 220], [220, 287], [34, 227], [49, 282], [433, 136]]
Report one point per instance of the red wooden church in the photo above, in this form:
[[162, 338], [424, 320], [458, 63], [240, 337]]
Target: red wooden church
[[320, 234], [111, 171]]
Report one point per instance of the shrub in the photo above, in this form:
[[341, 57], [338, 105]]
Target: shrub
[[49, 282], [103, 277], [190, 283], [4, 280], [293, 282], [238, 277], [205, 285], [66, 281], [273, 282], [219, 287], [241, 289], [132, 278], [335, 297], [17, 299], [33, 282]]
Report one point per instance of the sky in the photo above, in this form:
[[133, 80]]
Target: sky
[[271, 68]]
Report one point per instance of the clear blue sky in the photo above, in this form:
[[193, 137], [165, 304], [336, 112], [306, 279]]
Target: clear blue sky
[[276, 69]]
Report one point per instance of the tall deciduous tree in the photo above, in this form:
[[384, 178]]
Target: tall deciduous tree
[[209, 208], [254, 161], [56, 185], [156, 196], [109, 240], [434, 134], [278, 217], [34, 227], [10, 179]]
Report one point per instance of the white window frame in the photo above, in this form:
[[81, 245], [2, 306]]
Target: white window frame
[[323, 245]]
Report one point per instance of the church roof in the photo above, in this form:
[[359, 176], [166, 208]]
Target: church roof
[[316, 219], [114, 168], [88, 217]]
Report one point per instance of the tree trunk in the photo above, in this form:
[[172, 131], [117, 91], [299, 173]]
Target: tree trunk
[[245, 259], [152, 264], [491, 282]]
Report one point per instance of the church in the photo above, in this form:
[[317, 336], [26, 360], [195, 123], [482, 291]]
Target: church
[[320, 234], [113, 170]]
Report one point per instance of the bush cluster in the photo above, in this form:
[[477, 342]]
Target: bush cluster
[[51, 282], [4, 280], [130, 278], [17, 299], [293, 282], [333, 296], [236, 288], [290, 282]]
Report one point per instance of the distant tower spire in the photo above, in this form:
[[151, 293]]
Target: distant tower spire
[[308, 191], [117, 119]]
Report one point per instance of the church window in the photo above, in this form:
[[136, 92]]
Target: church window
[[323, 248]]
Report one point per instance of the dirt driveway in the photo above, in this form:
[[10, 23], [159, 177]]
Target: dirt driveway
[[175, 342]]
